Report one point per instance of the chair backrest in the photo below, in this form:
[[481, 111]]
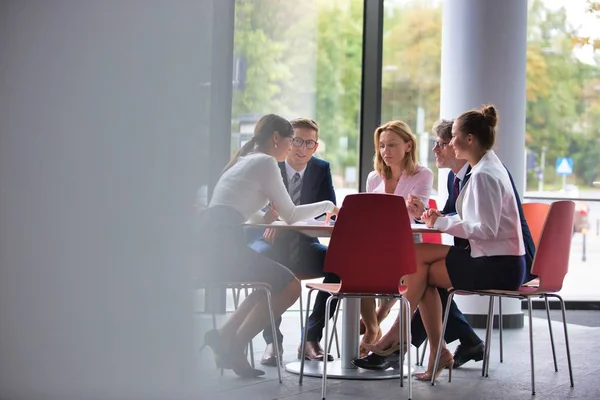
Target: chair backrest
[[371, 246], [535, 215], [435, 238], [551, 262]]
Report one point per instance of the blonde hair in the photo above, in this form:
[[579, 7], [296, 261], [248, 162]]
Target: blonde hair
[[401, 129]]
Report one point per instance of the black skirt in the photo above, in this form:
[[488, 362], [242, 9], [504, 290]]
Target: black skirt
[[225, 257], [483, 273]]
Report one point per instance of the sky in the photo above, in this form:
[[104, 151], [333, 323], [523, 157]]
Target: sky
[[588, 24]]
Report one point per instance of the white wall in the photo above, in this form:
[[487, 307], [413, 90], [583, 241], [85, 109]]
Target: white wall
[[103, 125]]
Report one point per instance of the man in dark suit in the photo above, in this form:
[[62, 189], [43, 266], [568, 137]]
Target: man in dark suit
[[471, 346], [301, 254]]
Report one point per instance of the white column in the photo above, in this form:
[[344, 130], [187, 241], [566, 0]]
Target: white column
[[484, 45]]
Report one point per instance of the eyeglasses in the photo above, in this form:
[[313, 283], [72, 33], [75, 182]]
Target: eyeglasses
[[441, 145], [299, 142]]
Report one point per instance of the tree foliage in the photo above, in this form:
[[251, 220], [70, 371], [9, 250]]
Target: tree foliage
[[304, 58]]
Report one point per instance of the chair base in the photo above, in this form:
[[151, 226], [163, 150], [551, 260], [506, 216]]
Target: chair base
[[335, 371]]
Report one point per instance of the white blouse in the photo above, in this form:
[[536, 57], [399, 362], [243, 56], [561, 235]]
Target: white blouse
[[487, 213], [255, 181]]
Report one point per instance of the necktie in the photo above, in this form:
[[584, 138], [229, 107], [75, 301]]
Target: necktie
[[456, 189], [295, 188]]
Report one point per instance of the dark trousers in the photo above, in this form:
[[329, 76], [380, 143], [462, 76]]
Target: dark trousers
[[311, 261], [457, 328]]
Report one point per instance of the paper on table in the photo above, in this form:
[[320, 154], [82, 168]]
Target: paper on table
[[421, 226], [305, 222], [312, 221]]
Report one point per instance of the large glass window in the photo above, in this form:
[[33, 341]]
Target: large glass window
[[563, 124], [412, 41], [301, 59]]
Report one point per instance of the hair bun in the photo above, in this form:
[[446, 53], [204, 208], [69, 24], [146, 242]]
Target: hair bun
[[490, 115]]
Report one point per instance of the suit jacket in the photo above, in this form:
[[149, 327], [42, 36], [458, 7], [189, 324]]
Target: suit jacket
[[317, 185], [450, 208]]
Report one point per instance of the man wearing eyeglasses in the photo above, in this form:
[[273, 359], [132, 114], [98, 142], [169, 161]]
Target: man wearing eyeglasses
[[308, 180]]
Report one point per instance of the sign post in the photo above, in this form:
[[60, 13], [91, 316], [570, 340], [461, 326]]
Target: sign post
[[564, 167]]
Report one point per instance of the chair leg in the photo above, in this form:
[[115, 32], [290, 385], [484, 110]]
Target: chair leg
[[275, 341], [250, 345], [564, 316], [488, 338], [408, 340], [531, 346], [401, 314], [214, 325], [417, 360], [334, 334], [324, 380], [420, 363], [444, 325], [236, 296], [301, 319], [303, 346], [551, 333], [500, 328]]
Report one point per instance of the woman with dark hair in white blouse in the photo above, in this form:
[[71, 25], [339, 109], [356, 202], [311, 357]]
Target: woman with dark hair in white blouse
[[251, 181]]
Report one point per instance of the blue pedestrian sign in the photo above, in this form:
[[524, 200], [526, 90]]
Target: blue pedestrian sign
[[564, 166]]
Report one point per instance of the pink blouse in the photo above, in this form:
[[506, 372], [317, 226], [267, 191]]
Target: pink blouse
[[418, 184]]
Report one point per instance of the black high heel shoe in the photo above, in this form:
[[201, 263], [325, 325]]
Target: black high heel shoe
[[225, 359]]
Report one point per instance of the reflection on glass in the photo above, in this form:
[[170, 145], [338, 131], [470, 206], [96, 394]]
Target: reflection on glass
[[301, 59], [412, 43]]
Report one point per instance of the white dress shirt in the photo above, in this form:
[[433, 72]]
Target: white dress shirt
[[487, 213], [290, 171], [253, 182]]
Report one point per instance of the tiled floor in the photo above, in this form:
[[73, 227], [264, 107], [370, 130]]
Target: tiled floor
[[509, 380]]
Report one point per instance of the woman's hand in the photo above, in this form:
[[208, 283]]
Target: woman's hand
[[430, 216], [414, 206], [271, 215], [335, 211]]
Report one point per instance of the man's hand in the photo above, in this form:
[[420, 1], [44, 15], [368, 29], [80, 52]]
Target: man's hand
[[270, 235], [414, 206], [430, 216], [335, 211]]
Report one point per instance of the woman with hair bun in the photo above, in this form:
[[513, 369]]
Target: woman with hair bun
[[487, 216]]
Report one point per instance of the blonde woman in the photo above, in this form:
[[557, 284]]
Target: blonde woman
[[396, 172]]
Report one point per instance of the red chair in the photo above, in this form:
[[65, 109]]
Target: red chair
[[435, 238], [371, 249], [551, 264], [535, 215]]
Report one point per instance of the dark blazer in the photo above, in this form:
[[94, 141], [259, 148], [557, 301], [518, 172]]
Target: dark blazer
[[317, 185], [450, 208]]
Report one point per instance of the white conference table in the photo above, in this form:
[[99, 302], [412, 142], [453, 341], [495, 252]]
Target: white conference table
[[343, 368]]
